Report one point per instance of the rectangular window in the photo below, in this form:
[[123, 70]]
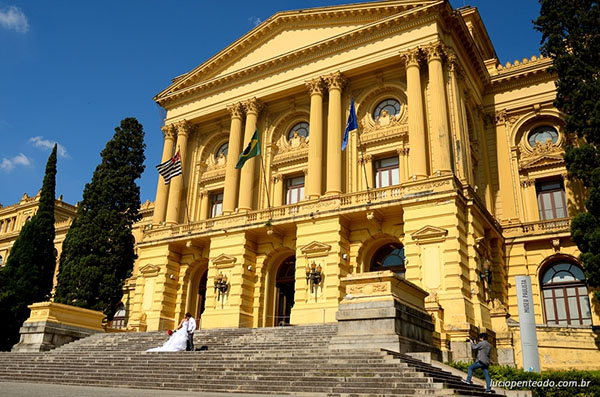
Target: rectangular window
[[552, 203], [216, 205], [387, 172], [294, 190]]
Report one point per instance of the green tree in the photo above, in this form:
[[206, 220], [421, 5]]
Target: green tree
[[29, 271], [571, 37], [98, 251]]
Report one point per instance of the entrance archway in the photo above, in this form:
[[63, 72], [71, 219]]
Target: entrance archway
[[284, 291], [201, 295]]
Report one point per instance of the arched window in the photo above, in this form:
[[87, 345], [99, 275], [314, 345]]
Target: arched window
[[391, 107], [565, 295], [222, 149], [119, 319], [300, 128], [1, 260], [389, 257], [542, 135]]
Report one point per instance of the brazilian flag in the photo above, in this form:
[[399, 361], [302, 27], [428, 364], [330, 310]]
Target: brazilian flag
[[253, 149]]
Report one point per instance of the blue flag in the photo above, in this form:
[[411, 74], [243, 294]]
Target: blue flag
[[350, 124]]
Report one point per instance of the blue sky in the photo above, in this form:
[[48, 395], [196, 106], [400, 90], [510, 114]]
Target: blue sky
[[71, 70]]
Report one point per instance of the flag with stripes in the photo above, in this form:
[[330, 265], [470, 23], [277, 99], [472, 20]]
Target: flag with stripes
[[170, 168]]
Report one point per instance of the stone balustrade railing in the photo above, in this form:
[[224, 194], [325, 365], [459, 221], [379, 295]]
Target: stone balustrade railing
[[324, 204], [552, 225]]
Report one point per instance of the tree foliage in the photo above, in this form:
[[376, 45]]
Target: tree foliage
[[98, 251], [29, 271], [571, 37]]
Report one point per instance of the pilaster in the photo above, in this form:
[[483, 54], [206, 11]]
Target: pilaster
[[315, 145], [184, 128], [247, 185], [335, 84], [416, 116], [162, 190], [232, 175], [440, 132]]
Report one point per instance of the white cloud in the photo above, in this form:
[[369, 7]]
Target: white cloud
[[9, 164], [13, 18], [255, 20], [40, 142]]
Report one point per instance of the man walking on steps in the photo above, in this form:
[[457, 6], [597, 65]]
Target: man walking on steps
[[190, 325], [483, 349]]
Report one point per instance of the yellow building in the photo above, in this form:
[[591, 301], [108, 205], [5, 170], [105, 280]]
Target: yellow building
[[454, 178], [13, 217]]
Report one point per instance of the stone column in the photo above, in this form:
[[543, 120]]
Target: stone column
[[232, 176], [204, 197], [315, 142], [162, 190], [416, 118], [278, 191], [440, 135], [368, 170], [335, 83], [402, 171], [246, 194], [183, 131]]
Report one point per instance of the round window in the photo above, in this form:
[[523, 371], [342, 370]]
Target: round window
[[389, 107], [223, 149], [543, 135], [301, 129]]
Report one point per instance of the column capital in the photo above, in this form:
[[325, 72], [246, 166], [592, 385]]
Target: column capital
[[412, 57], [253, 106], [236, 110], [184, 128], [402, 151], [435, 51], [305, 171], [277, 177], [336, 81], [169, 131], [315, 86]]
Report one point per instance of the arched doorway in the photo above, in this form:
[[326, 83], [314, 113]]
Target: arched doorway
[[284, 291], [389, 257], [201, 295]]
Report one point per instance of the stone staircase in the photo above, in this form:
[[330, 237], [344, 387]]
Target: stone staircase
[[279, 361]]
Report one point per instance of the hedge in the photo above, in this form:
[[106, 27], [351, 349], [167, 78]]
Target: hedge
[[544, 384]]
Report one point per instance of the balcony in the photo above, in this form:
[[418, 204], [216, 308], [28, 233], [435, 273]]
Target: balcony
[[306, 209], [561, 225]]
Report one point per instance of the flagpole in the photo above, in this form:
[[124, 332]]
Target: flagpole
[[362, 160], [187, 212], [266, 186]]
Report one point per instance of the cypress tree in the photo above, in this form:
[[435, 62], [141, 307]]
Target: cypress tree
[[98, 251], [571, 37], [29, 271]]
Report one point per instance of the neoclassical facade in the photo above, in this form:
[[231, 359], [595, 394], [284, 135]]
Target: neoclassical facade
[[454, 179]]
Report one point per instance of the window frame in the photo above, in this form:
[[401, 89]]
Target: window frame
[[550, 193], [297, 188], [565, 287], [379, 171], [216, 207]]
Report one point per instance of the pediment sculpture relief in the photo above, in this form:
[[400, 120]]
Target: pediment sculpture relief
[[213, 163], [296, 142]]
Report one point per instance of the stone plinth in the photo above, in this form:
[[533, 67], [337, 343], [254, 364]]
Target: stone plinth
[[383, 311], [51, 325]]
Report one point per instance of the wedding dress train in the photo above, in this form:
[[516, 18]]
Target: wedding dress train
[[176, 343]]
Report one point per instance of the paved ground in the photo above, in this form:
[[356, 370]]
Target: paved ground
[[14, 389]]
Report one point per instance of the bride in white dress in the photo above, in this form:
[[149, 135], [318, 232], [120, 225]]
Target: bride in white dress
[[176, 343]]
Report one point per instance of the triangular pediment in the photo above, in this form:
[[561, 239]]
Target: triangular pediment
[[543, 161], [292, 33], [224, 259], [315, 248], [149, 270], [429, 232]]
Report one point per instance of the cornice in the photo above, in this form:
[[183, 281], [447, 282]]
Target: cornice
[[339, 43], [514, 76], [282, 20]]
